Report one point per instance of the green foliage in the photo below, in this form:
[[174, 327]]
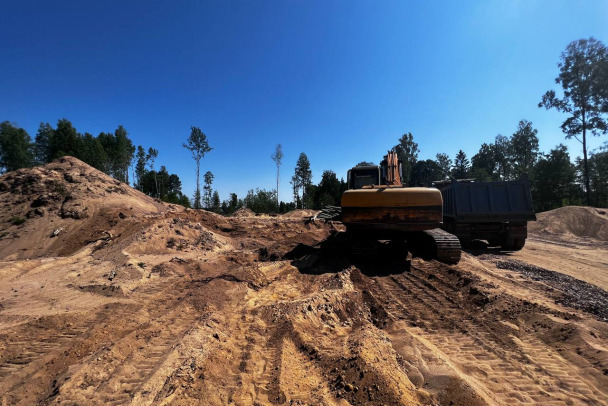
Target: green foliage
[[16, 220], [167, 187], [233, 204], [329, 191], [42, 148], [94, 153], [60, 189], [196, 199], [553, 183], [502, 148], [598, 171], [198, 145], [16, 149], [461, 166], [407, 152], [215, 202], [111, 153], [260, 201], [584, 79], [523, 149], [365, 163], [140, 166], [150, 159], [483, 164], [507, 158], [301, 181], [119, 150], [424, 173], [445, 165], [207, 190], [64, 140]]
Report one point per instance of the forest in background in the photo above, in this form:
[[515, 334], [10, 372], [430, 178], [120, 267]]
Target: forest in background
[[555, 178]]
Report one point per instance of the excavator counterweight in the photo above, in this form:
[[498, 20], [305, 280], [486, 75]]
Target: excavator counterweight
[[378, 206]]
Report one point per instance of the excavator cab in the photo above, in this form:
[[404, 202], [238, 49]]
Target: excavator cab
[[361, 177]]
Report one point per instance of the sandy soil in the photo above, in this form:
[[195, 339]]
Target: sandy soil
[[136, 302]]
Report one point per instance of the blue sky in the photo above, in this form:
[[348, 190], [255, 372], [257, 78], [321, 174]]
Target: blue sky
[[338, 80]]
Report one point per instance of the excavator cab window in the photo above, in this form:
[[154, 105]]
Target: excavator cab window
[[361, 176]]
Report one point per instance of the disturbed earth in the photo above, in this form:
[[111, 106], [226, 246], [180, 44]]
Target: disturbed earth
[[110, 297]]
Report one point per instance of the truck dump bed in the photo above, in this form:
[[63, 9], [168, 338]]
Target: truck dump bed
[[493, 211], [487, 201]]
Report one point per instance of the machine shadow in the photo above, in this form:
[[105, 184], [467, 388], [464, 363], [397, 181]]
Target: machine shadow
[[480, 247], [336, 254]]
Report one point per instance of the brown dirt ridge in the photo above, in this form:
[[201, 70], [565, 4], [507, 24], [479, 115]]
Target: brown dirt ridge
[[575, 221], [137, 302]]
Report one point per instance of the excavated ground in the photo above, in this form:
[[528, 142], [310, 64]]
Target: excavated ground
[[155, 304]]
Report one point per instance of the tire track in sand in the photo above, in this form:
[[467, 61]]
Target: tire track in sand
[[512, 370], [128, 367]]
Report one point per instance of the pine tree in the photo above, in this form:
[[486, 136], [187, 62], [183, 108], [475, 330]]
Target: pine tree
[[207, 190], [584, 80], [16, 149], [461, 166]]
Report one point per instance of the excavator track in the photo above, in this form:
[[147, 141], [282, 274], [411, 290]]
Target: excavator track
[[447, 246]]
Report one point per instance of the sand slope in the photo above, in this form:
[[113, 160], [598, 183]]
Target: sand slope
[[187, 307], [575, 221]]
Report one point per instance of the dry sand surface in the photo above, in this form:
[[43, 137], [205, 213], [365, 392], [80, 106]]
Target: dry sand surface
[[138, 302]]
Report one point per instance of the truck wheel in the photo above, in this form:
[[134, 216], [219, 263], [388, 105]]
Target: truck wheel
[[465, 242], [513, 243], [515, 238], [494, 243]]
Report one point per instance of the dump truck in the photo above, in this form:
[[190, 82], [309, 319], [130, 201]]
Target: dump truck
[[497, 212], [378, 206]]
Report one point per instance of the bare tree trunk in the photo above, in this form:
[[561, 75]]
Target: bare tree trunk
[[156, 184], [277, 187], [587, 186], [198, 187]]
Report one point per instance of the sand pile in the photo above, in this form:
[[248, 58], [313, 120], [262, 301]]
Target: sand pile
[[58, 208], [300, 213], [244, 212], [166, 305], [586, 222]]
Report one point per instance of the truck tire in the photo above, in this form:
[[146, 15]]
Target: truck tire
[[514, 244], [515, 238], [465, 242], [494, 243]]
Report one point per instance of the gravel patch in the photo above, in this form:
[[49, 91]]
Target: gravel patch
[[572, 292]]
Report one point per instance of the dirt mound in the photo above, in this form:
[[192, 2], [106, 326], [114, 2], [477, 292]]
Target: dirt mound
[[244, 212], [58, 208], [300, 213], [579, 221], [167, 305]]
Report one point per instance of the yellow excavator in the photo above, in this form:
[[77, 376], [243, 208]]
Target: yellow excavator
[[378, 206]]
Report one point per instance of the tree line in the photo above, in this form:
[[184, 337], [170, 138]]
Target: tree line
[[555, 179], [111, 152]]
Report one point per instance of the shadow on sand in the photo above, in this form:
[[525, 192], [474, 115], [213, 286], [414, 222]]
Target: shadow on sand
[[480, 247], [339, 252]]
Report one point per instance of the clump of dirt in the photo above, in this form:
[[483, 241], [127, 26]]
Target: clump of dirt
[[579, 221], [110, 297], [244, 212], [300, 213]]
